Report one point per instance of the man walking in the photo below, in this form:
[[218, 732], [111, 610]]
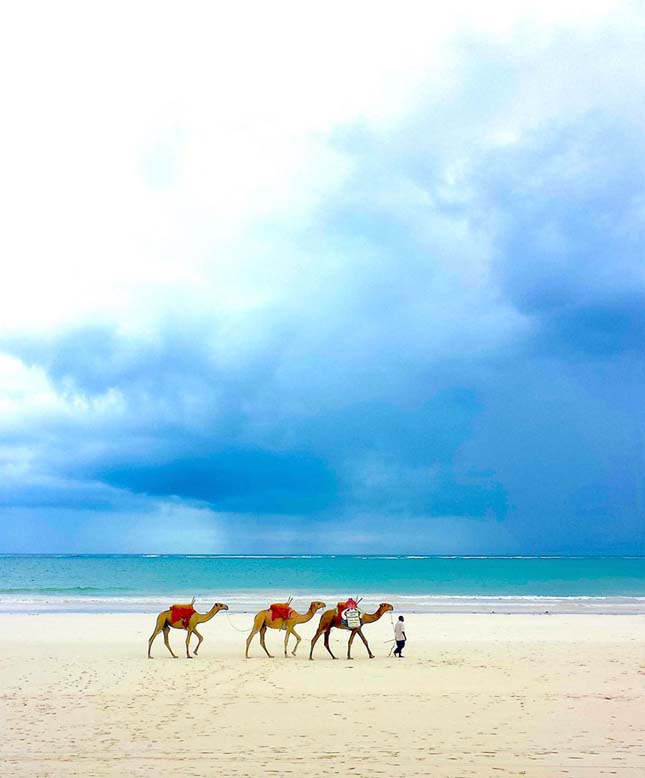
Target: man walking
[[399, 636]]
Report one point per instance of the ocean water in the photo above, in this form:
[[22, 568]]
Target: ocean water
[[149, 583]]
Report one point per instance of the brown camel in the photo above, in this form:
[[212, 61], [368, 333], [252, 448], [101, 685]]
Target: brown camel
[[183, 617], [328, 622], [263, 621]]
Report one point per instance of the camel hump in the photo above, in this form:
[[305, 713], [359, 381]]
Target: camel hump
[[281, 610], [181, 612]]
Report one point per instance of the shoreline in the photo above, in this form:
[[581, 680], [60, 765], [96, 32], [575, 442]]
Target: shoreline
[[251, 601]]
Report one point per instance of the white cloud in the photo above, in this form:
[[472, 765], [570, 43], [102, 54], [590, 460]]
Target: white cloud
[[233, 104], [25, 393], [157, 163]]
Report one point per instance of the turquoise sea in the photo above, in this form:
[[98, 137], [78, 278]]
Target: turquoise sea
[[146, 583]]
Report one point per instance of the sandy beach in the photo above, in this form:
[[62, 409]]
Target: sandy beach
[[476, 695]]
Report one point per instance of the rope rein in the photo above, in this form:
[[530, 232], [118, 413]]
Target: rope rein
[[230, 621], [393, 641]]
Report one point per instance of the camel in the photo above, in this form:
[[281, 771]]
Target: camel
[[263, 621], [327, 623], [185, 617]]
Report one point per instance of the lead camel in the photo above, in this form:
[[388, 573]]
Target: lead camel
[[183, 616], [328, 621]]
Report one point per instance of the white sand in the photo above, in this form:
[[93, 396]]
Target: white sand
[[485, 695]]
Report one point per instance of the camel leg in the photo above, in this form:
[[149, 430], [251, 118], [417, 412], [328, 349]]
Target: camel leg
[[161, 621], [258, 623], [313, 643], [263, 631], [152, 637], [298, 639], [327, 634], [252, 634], [199, 638], [364, 639], [166, 632], [349, 643]]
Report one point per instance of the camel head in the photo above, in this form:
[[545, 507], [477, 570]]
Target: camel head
[[316, 605]]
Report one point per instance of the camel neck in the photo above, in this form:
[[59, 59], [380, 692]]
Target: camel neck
[[207, 616]]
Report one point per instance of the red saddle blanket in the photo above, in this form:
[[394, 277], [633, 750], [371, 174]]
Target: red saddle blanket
[[281, 610], [181, 613], [343, 606]]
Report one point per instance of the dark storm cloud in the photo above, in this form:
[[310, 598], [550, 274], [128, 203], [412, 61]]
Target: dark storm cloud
[[236, 480], [570, 249]]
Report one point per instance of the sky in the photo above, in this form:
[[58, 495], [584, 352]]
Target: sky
[[322, 279]]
